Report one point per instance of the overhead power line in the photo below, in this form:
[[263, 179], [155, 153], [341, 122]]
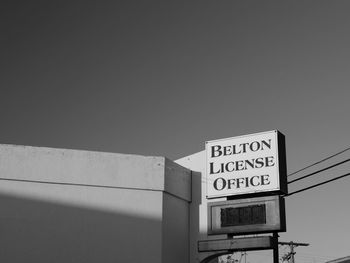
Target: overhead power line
[[325, 159], [316, 185], [305, 176], [313, 173], [321, 170]]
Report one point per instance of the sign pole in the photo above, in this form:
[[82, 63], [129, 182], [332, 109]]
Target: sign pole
[[275, 248]]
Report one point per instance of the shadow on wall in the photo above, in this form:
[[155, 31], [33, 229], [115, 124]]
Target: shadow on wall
[[35, 231]]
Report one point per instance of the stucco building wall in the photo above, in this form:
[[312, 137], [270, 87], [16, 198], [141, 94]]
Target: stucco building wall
[[78, 206]]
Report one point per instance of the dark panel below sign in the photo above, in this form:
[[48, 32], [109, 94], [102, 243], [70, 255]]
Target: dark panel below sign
[[247, 216]]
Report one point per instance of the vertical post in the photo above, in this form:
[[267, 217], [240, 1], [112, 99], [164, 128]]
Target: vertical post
[[275, 248], [292, 251], [290, 256]]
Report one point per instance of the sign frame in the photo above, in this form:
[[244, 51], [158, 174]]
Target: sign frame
[[280, 166], [238, 244]]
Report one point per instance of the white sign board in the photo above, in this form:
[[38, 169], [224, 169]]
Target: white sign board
[[245, 164]]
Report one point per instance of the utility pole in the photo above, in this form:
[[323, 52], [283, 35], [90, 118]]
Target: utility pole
[[290, 256]]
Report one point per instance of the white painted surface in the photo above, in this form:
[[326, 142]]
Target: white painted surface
[[176, 230], [81, 167], [63, 223], [62, 166], [198, 207], [77, 206]]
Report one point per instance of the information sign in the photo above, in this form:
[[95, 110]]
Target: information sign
[[246, 164]]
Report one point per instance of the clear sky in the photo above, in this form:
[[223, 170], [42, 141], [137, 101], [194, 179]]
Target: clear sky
[[163, 77]]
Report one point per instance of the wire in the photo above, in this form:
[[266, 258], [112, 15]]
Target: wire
[[313, 164], [313, 186], [205, 180], [302, 177], [324, 169], [325, 159]]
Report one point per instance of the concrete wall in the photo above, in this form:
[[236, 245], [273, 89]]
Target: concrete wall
[[198, 206], [64, 223], [76, 206], [176, 215], [175, 230]]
